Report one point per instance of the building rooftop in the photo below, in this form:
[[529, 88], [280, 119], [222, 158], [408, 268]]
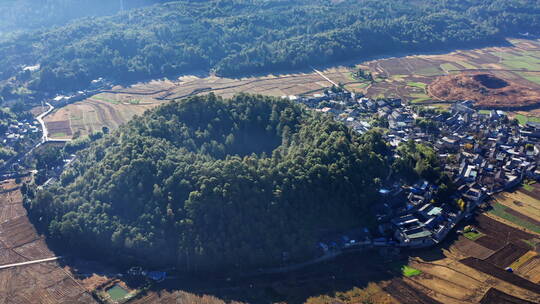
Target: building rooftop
[[418, 233], [435, 211]]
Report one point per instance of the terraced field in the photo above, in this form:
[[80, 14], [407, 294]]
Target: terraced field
[[404, 77], [47, 283]]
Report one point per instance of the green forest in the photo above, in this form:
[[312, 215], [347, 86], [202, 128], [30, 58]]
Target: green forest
[[240, 37], [207, 184], [24, 15]]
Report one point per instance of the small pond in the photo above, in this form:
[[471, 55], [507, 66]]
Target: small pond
[[117, 292]]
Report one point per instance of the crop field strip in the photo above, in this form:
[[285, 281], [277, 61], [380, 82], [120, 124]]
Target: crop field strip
[[499, 234], [501, 274], [114, 107], [468, 60], [448, 281], [521, 207], [515, 217], [404, 293], [530, 270], [495, 296], [468, 247], [38, 283], [506, 255]]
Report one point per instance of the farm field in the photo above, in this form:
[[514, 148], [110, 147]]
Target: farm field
[[117, 106], [462, 271], [519, 62], [521, 207], [403, 77], [46, 282], [452, 279]]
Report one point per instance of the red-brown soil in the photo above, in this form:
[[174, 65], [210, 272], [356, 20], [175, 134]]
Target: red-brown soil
[[485, 89]]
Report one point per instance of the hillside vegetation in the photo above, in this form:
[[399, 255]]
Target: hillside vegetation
[[22, 15], [238, 37], [206, 184]]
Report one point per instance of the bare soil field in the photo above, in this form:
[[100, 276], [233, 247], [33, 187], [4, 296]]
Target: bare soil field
[[464, 247], [178, 297], [487, 90], [405, 293], [497, 234], [46, 283], [449, 281], [91, 115], [494, 296], [43, 283], [519, 63], [507, 255], [501, 274], [446, 284], [9, 206], [115, 107]]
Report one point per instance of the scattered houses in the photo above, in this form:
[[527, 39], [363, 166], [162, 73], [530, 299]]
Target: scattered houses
[[482, 153]]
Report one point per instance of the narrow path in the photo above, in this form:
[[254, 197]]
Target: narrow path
[[29, 262], [324, 76]]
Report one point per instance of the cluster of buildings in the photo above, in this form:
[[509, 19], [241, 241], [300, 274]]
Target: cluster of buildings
[[17, 137], [483, 152], [18, 131]]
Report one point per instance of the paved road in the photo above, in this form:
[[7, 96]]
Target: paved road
[[42, 123], [29, 262], [45, 138]]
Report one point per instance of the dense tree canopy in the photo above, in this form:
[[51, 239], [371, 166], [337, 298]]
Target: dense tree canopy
[[21, 15], [205, 184], [238, 37], [416, 161]]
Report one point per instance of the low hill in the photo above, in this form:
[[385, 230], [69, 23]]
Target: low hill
[[486, 90], [207, 184]]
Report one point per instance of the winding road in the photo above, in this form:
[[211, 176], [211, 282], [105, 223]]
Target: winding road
[[45, 138]]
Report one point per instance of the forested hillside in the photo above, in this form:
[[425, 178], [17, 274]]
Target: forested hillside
[[22, 15], [207, 184], [238, 37]]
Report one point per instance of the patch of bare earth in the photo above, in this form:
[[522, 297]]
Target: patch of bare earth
[[487, 90]]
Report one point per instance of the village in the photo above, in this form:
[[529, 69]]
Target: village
[[17, 139], [484, 153]]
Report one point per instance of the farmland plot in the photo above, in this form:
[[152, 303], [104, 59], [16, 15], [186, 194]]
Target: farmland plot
[[45, 283], [391, 78]]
